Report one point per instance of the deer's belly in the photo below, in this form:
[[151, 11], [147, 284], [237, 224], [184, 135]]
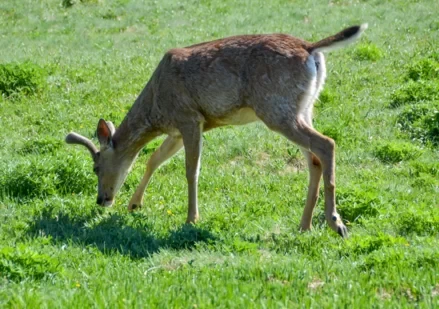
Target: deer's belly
[[241, 116]]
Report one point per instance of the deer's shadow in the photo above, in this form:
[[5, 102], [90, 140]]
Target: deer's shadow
[[111, 233]]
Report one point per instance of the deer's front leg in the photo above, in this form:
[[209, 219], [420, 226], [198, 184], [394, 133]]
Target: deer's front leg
[[170, 146], [192, 140]]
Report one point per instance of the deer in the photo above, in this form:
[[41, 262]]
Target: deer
[[271, 78]]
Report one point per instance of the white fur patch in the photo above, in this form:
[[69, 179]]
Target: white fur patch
[[321, 73], [317, 67], [306, 104]]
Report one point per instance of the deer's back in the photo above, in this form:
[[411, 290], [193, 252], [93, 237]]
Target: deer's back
[[223, 80]]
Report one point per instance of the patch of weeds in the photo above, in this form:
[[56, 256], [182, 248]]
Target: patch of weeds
[[327, 97], [413, 113], [219, 223], [110, 14], [41, 178], [357, 204], [122, 2], [335, 132], [382, 259], [244, 246], [306, 243], [112, 30], [424, 181], [425, 257], [402, 256], [394, 152], [187, 237], [424, 69], [28, 180], [26, 78], [421, 122], [238, 245], [414, 92], [74, 175], [47, 145], [434, 25], [369, 52], [419, 168], [237, 151], [70, 3], [432, 127], [420, 119], [367, 244], [11, 14], [83, 75], [20, 263], [420, 223]]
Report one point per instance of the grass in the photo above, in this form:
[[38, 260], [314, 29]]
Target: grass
[[65, 64], [24, 78]]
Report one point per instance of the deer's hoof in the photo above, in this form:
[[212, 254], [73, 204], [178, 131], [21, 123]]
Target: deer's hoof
[[304, 228], [133, 207], [192, 220]]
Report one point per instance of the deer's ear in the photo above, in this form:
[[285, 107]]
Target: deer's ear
[[104, 133]]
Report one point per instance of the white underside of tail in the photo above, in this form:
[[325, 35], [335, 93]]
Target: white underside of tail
[[315, 86], [341, 44]]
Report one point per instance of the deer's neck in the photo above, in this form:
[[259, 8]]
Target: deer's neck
[[136, 129]]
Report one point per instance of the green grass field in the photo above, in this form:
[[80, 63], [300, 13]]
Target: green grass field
[[66, 63]]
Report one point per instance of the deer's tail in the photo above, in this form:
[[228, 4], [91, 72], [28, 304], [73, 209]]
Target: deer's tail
[[338, 40]]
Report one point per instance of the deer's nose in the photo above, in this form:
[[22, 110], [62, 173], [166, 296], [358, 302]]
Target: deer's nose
[[100, 200]]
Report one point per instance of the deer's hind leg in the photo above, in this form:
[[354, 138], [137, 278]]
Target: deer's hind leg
[[314, 164], [315, 174], [170, 147], [290, 115], [322, 147]]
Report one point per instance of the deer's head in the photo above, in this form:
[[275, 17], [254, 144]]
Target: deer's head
[[109, 165]]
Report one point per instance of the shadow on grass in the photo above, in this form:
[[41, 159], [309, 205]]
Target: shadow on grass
[[115, 233]]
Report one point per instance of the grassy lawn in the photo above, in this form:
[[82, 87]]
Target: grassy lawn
[[66, 63]]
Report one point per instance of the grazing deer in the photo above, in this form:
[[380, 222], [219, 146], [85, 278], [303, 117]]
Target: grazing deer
[[272, 78]]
